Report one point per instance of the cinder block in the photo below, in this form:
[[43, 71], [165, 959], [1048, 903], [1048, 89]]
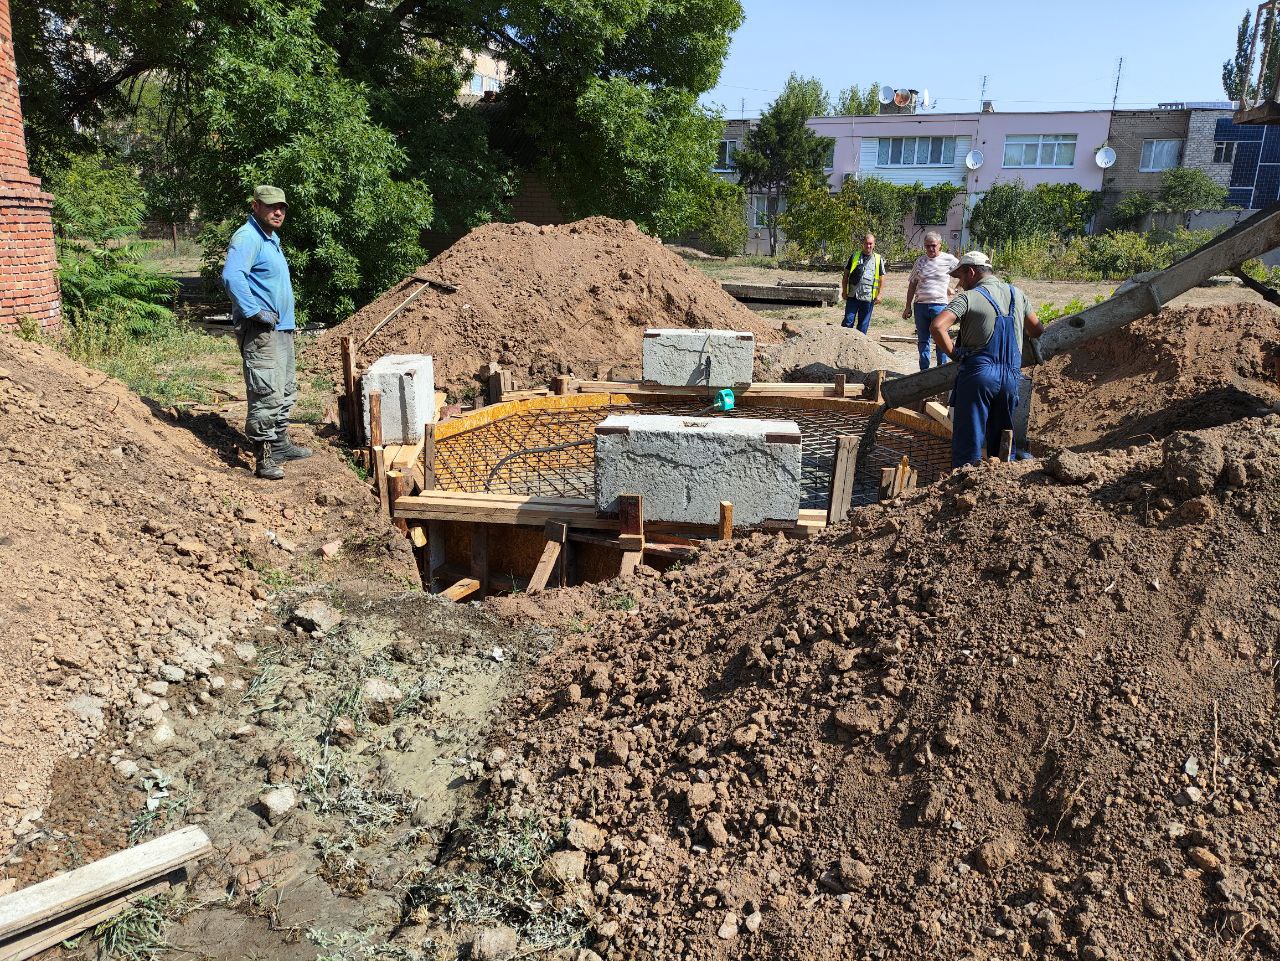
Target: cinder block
[[685, 466], [407, 383], [698, 358]]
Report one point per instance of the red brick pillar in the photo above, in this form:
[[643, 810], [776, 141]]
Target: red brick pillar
[[28, 264]]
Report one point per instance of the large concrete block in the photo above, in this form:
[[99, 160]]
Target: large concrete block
[[685, 466], [698, 358], [407, 383]]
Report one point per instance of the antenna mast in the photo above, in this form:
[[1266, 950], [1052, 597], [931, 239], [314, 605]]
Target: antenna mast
[[1116, 94]]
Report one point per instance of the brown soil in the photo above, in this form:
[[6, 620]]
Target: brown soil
[[818, 353], [542, 301], [1185, 369], [1027, 712], [134, 547]]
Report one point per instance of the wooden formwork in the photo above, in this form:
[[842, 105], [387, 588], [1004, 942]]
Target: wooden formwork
[[537, 526]]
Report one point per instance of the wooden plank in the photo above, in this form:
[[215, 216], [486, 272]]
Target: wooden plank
[[33, 942], [938, 412], [887, 475], [404, 456], [873, 389], [428, 457], [418, 535], [463, 588], [841, 385], [895, 339], [842, 478], [630, 562], [726, 520], [378, 468], [66, 893], [560, 385], [900, 474], [480, 555], [764, 389], [1006, 445], [557, 534]]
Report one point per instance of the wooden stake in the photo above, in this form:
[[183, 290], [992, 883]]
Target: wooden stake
[[875, 386], [349, 389], [375, 427], [480, 555], [557, 535], [560, 385], [841, 380], [631, 519], [726, 520], [842, 478], [900, 475], [887, 475], [429, 457], [1006, 445], [397, 486]]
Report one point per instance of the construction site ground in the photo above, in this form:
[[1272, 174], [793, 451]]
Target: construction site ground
[[1027, 712]]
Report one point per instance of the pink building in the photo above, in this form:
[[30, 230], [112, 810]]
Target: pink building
[[933, 148]]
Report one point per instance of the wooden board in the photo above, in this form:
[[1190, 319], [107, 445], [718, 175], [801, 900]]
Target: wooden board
[[557, 534], [938, 412], [463, 588], [57, 900], [842, 478], [502, 509], [42, 938]]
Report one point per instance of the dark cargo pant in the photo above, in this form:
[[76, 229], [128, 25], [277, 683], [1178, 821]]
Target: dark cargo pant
[[270, 379]]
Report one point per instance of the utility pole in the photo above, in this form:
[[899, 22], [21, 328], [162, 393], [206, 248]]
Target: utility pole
[[983, 95], [1115, 96]]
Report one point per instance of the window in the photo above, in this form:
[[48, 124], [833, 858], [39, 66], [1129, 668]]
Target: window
[[1040, 150], [829, 158], [725, 154], [1224, 151], [1160, 155], [760, 209], [477, 83], [915, 151]]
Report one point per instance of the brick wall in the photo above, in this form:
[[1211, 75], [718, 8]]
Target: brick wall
[[1201, 137], [28, 264]]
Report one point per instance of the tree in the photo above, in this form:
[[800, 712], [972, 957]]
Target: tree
[[719, 220], [360, 103], [1007, 211], [1130, 210], [853, 102], [1189, 188], [1065, 209], [1236, 82], [820, 224], [781, 151]]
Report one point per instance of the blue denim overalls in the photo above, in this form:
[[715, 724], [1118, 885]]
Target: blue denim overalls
[[986, 391]]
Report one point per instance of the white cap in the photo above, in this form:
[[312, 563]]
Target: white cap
[[974, 258]]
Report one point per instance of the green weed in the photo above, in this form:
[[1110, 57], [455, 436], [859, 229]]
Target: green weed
[[137, 932], [621, 602]]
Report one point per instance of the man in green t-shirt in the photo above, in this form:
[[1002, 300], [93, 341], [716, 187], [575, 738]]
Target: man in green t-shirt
[[993, 317]]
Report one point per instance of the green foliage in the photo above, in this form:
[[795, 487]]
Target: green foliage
[[881, 207], [1009, 212], [1050, 312], [106, 288], [1129, 212], [1110, 256], [806, 95], [719, 221], [819, 225], [932, 204], [855, 102], [781, 151], [1236, 81], [353, 109], [1189, 188]]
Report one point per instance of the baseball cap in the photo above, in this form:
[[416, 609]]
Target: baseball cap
[[266, 194], [975, 258]]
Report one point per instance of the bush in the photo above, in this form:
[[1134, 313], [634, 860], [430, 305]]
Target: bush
[[1131, 209], [1008, 212], [819, 225], [719, 222], [1189, 188], [97, 214]]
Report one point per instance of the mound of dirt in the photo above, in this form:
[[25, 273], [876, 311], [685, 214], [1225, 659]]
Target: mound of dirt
[[1185, 369], [1026, 712], [542, 301], [816, 355], [135, 557]]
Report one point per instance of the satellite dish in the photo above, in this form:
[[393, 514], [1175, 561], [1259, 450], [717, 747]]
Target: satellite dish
[[924, 98], [886, 94], [1105, 157], [973, 159], [901, 98]]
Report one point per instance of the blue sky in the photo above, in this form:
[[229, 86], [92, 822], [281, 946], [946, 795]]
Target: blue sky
[[1036, 54]]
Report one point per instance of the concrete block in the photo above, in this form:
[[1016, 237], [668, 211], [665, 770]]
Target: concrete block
[[407, 383], [698, 358], [685, 466]]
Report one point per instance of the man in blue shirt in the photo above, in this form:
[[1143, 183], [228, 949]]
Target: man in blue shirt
[[256, 278]]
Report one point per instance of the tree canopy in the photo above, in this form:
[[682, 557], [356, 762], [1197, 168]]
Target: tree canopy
[[352, 106]]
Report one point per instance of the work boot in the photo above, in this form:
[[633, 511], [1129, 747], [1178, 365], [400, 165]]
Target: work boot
[[268, 468], [283, 449]]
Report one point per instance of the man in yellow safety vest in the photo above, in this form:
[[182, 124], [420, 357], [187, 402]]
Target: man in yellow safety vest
[[860, 284]]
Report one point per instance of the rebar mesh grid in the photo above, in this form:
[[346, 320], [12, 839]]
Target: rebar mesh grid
[[466, 461]]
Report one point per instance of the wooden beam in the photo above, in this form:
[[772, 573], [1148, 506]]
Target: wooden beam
[[842, 479], [560, 385], [557, 534], [887, 476], [726, 520], [840, 384], [631, 521], [463, 588], [480, 555], [54, 910], [630, 562], [874, 387], [938, 412], [349, 391]]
